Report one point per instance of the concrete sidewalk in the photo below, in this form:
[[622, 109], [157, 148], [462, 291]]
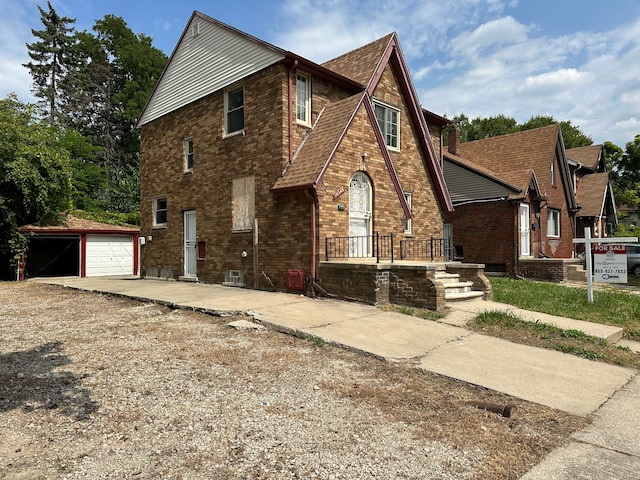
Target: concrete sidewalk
[[551, 378], [609, 448]]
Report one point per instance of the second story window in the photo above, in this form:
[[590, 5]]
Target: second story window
[[234, 110], [188, 155], [389, 122], [303, 99]]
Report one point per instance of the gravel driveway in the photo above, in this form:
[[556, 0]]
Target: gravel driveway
[[94, 386]]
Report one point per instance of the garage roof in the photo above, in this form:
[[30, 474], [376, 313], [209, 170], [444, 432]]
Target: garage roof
[[72, 224]]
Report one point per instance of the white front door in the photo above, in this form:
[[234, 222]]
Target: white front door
[[525, 233], [360, 216], [190, 264]]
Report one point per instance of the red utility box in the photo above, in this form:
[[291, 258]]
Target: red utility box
[[295, 280]]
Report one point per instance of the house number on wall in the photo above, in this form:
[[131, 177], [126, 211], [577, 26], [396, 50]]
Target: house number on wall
[[338, 192]]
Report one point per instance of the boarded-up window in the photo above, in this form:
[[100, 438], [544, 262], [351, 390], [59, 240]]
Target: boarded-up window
[[244, 203]]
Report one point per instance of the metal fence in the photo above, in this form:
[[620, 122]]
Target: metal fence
[[367, 246], [382, 247], [431, 249]]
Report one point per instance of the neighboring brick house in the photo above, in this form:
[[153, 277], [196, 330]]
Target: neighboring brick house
[[252, 157], [514, 201], [594, 193]]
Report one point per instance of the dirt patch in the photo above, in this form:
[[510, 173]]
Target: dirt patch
[[93, 386]]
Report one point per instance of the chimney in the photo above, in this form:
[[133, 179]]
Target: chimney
[[454, 141]]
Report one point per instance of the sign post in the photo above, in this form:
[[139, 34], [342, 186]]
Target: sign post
[[588, 241]]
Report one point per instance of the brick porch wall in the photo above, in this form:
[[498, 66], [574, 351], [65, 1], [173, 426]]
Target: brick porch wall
[[548, 269]]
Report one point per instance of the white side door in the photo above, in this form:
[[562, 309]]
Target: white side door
[[525, 232], [360, 216], [190, 263]]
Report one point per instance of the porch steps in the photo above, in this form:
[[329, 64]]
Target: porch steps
[[455, 290]]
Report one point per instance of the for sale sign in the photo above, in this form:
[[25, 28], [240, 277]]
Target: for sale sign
[[610, 263]]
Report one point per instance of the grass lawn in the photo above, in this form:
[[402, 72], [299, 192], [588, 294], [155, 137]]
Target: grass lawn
[[610, 307]]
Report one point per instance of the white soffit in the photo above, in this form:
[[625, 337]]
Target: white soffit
[[209, 57]]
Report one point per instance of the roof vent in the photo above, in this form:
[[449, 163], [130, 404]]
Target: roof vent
[[195, 30]]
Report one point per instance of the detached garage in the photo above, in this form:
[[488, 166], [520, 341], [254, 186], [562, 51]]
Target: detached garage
[[80, 248]]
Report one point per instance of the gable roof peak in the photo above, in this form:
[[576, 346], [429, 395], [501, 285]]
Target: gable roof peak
[[361, 64]]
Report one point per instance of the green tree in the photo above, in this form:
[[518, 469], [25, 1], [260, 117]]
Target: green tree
[[571, 135], [480, 128], [624, 168], [50, 59], [35, 174], [117, 71]]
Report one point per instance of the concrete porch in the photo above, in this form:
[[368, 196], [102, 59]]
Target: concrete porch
[[417, 284]]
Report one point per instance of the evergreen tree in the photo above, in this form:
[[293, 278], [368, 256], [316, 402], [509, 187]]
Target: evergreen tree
[[50, 60]]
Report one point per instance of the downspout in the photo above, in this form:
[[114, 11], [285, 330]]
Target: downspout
[[313, 242], [293, 66]]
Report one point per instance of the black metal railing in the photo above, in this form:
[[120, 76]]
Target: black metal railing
[[382, 247], [366, 246], [431, 249]]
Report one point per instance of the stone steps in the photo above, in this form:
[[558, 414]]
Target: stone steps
[[455, 290]]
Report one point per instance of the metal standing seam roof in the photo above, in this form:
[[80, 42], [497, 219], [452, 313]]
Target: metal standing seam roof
[[513, 157]]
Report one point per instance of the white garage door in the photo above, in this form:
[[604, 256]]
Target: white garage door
[[109, 255]]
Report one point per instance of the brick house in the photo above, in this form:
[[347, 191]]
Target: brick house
[[515, 202], [260, 167], [594, 193]]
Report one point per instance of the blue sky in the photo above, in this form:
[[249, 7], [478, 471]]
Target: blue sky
[[576, 60]]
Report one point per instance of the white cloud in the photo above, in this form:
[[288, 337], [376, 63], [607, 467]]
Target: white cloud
[[564, 78], [14, 35], [504, 30]]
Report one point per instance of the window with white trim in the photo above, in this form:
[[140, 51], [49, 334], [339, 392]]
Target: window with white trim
[[243, 203], [160, 211], [188, 155], [303, 99], [553, 173], [389, 122], [234, 110], [407, 221], [553, 223]]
